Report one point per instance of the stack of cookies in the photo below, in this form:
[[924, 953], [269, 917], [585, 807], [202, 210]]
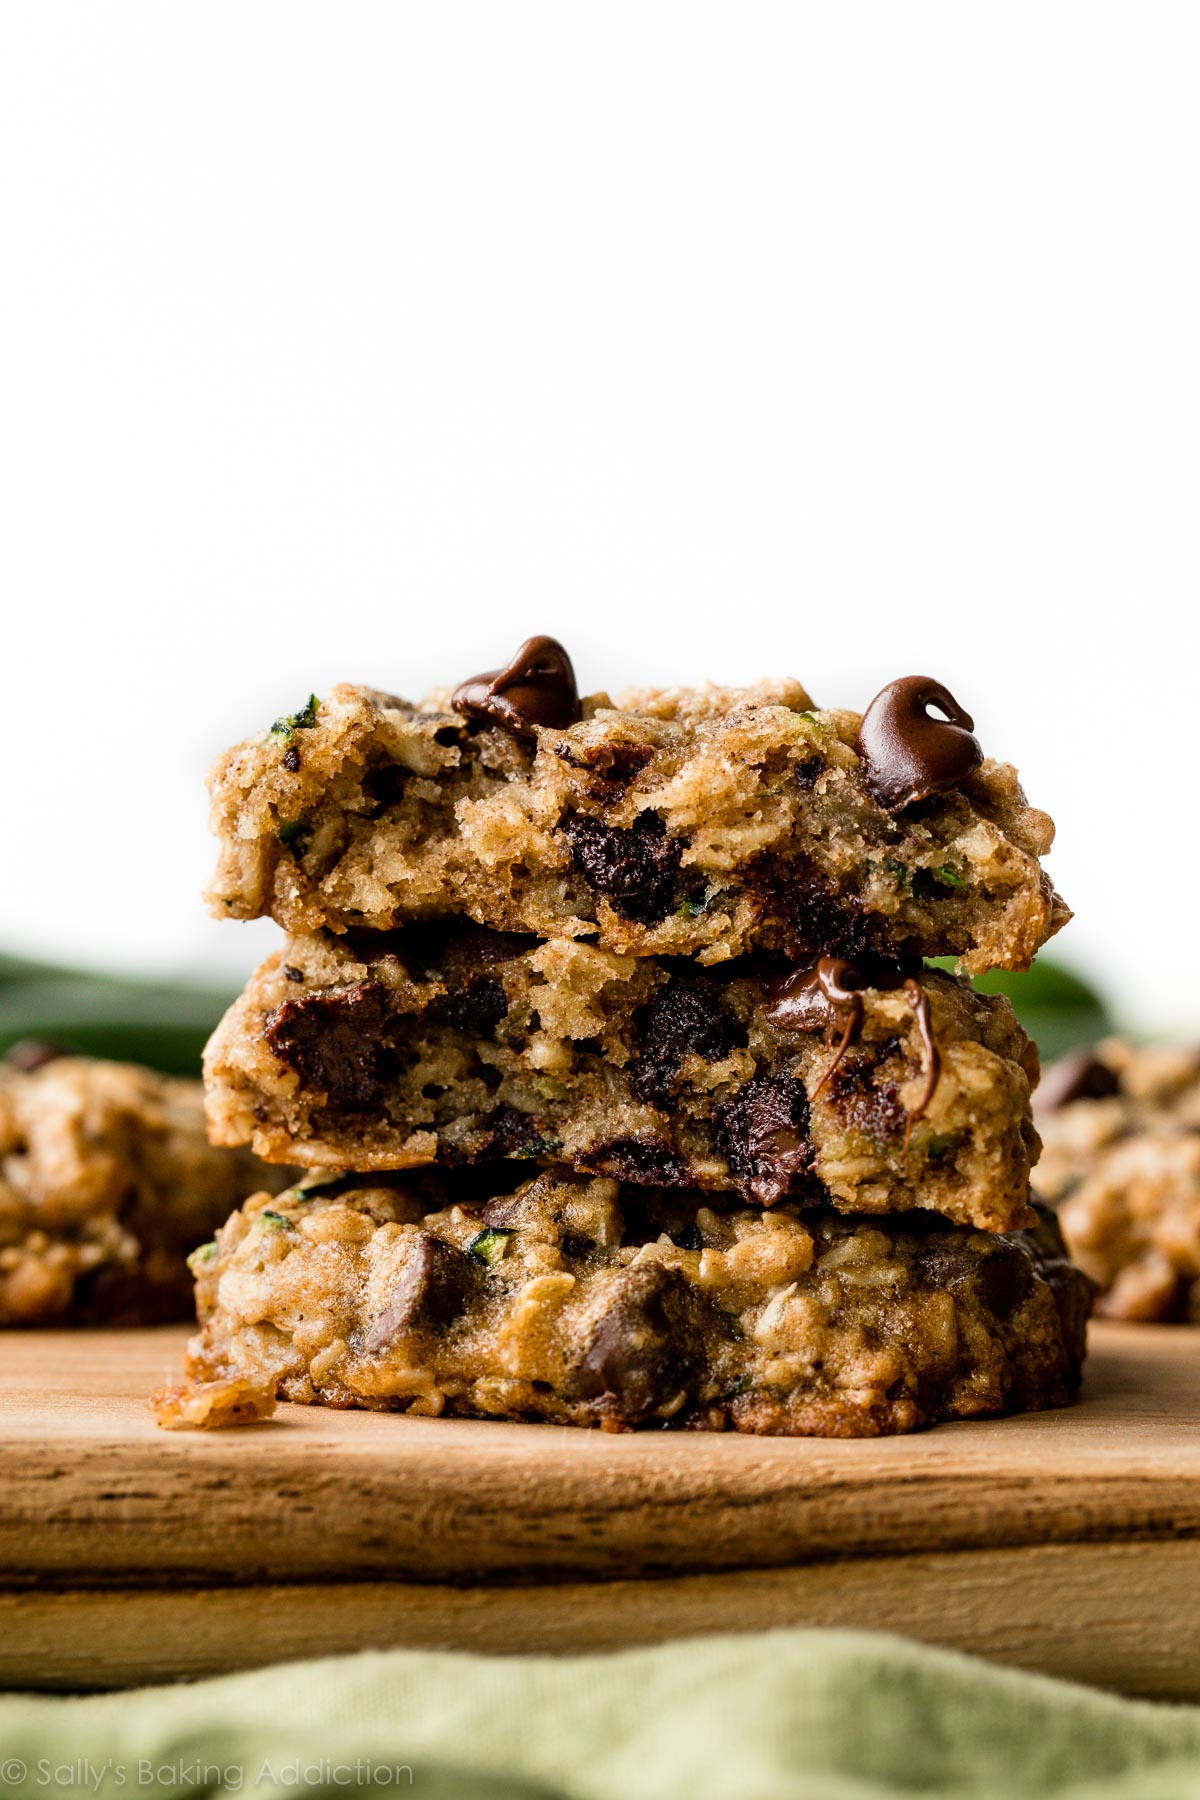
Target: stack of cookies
[[606, 1033]]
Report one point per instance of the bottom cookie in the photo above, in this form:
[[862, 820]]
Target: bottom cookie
[[585, 1302]]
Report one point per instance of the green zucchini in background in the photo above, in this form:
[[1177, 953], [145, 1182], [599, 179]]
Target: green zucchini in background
[[165, 1024], [1058, 1009]]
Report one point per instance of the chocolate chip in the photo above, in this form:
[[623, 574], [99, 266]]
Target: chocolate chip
[[30, 1054], [536, 688], [918, 999], [636, 866], [864, 1100], [291, 759], [385, 785], [459, 958], [829, 991], [1079, 1076], [686, 1018], [504, 1210], [340, 1043], [1005, 1278], [764, 1133], [512, 1132], [647, 1161], [476, 1008], [432, 1290], [633, 1357], [910, 755], [292, 973], [811, 918], [829, 996], [945, 1261], [1003, 1275], [814, 998]]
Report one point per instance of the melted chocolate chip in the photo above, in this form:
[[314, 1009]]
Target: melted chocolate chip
[[637, 866], [647, 1161], [866, 1102], [830, 995], [908, 754], [536, 688], [764, 1133], [339, 1043], [918, 999], [687, 1018], [812, 999], [816, 999], [292, 973], [291, 759], [451, 953], [30, 1054], [432, 1290], [1078, 1076], [830, 991], [946, 1262], [632, 1358]]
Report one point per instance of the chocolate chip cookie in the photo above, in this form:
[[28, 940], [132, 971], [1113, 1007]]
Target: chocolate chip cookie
[[1122, 1164], [872, 1089], [106, 1182], [705, 822], [583, 1301]]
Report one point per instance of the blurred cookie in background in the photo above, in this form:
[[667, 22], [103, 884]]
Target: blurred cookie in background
[[1120, 1125], [107, 1181]]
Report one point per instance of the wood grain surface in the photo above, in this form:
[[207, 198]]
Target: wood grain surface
[[1065, 1541]]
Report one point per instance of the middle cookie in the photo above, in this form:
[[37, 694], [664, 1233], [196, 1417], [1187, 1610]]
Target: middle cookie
[[872, 1089]]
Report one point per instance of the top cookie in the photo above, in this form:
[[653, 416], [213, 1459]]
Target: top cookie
[[703, 822]]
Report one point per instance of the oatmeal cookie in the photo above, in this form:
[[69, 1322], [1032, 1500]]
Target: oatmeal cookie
[[706, 822], [107, 1180], [453, 1044], [1122, 1164], [1093, 1098], [585, 1302]]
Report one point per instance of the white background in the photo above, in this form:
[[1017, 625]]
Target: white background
[[358, 342]]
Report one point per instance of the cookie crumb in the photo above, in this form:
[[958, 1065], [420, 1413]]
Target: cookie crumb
[[211, 1405]]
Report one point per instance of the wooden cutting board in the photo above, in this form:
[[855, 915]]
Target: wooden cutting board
[[1067, 1541]]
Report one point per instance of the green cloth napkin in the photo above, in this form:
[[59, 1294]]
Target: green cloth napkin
[[823, 1715]]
